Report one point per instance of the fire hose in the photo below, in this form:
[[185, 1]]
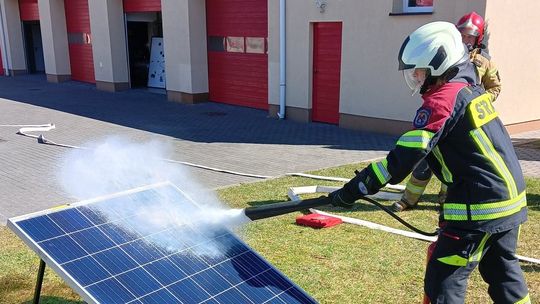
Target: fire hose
[[271, 210]]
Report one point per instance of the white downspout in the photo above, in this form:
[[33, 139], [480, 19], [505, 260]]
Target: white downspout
[[4, 46], [282, 65]]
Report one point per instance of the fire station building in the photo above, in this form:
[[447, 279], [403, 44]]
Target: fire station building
[[329, 61]]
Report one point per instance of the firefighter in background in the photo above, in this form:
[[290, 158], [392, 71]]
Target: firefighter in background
[[459, 133], [472, 28]]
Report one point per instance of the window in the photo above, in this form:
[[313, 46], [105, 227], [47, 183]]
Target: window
[[417, 6], [255, 45], [216, 44], [235, 44]]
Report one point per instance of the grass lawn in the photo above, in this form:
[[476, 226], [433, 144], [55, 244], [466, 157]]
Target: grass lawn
[[342, 264]]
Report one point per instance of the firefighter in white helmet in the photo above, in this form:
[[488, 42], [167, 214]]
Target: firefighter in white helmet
[[458, 131], [472, 28]]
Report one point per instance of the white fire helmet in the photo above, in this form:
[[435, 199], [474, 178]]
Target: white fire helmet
[[435, 46]]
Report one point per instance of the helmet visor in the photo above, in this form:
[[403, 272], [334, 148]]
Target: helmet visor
[[414, 80], [470, 29]]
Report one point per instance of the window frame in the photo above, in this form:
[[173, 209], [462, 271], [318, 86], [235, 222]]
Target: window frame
[[416, 9]]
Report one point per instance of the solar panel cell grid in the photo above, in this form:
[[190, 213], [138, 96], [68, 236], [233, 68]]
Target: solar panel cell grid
[[101, 250]]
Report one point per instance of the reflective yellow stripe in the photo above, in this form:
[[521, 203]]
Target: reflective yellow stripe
[[481, 110], [447, 175], [381, 172], [497, 210], [525, 300], [477, 255], [455, 212], [485, 145], [456, 260], [484, 211], [415, 139], [415, 189]]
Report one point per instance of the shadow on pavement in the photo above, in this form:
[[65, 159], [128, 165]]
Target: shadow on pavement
[[527, 148], [204, 122]]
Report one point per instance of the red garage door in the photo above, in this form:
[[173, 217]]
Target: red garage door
[[237, 57], [28, 10], [137, 6], [326, 71], [79, 40]]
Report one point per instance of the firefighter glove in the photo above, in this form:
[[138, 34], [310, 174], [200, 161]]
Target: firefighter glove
[[350, 192]]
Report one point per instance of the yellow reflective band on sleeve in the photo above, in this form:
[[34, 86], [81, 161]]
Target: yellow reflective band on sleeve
[[416, 139], [485, 145], [454, 260], [482, 110], [525, 300], [484, 211], [447, 175], [381, 172]]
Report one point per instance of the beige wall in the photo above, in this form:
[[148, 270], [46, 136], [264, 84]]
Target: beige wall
[[184, 41], [371, 85], [513, 45], [13, 36], [109, 41], [54, 37]]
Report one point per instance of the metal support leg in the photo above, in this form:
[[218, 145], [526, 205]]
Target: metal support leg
[[39, 281]]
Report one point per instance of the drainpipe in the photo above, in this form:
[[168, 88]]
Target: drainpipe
[[282, 64], [4, 45]]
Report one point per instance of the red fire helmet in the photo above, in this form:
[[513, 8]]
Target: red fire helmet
[[472, 24]]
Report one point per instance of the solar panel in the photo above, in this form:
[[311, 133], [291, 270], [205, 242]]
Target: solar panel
[[103, 251]]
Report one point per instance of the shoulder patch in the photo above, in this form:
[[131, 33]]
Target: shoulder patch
[[422, 118]]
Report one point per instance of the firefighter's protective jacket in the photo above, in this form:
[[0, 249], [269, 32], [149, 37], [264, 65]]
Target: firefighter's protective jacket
[[487, 72], [458, 131]]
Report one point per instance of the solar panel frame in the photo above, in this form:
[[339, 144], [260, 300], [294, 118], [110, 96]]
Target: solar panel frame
[[60, 268]]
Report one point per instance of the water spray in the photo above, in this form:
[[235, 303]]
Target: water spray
[[270, 210]]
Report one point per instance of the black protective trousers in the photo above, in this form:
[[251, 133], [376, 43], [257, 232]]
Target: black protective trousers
[[456, 255]]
